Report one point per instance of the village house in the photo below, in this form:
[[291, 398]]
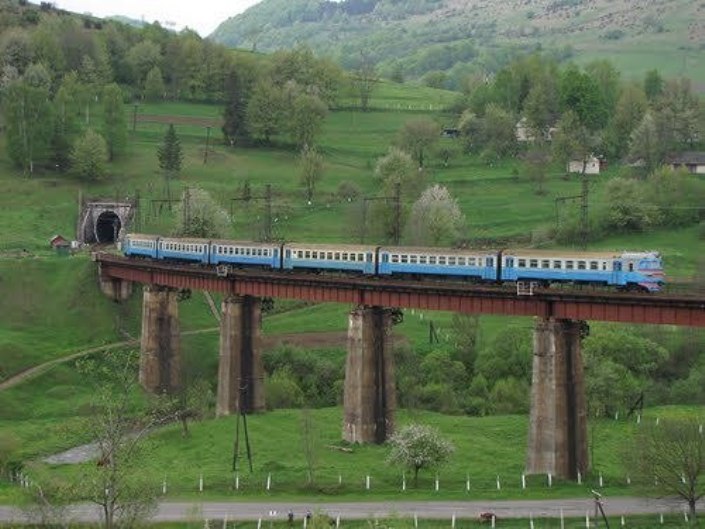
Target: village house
[[593, 165], [693, 161]]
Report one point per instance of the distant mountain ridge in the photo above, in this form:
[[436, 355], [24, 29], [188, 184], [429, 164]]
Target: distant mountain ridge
[[461, 36]]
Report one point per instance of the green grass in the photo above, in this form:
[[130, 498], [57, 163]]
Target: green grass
[[485, 448]]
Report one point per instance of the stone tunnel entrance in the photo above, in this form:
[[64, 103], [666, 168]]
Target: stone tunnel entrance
[[107, 227], [101, 222]]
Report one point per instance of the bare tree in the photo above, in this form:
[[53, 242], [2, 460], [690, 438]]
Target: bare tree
[[364, 79], [310, 437], [669, 458], [117, 483], [311, 162], [418, 136]]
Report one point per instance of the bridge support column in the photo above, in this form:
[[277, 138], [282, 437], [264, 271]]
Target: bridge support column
[[240, 369], [369, 398], [558, 422], [160, 351]]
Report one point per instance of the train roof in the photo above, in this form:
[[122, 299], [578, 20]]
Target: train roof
[[577, 254], [193, 240], [437, 250], [150, 236], [251, 244], [332, 247]]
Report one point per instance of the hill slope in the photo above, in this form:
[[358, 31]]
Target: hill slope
[[459, 36]]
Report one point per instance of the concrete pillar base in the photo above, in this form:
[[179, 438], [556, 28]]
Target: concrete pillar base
[[160, 352], [240, 369], [557, 442], [369, 398]]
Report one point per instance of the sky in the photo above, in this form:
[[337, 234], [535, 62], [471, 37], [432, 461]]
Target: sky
[[202, 16]]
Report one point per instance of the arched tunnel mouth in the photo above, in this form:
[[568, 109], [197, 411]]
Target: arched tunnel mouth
[[107, 227]]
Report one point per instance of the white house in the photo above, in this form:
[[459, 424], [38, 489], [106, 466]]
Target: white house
[[593, 165]]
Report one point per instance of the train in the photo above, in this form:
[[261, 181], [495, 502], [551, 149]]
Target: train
[[637, 270]]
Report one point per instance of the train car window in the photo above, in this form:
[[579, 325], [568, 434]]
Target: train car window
[[329, 255], [353, 257], [631, 267], [441, 260], [461, 261], [593, 265], [604, 265], [451, 261], [413, 259], [581, 265], [404, 259], [545, 263], [432, 259], [472, 261], [361, 257], [490, 262], [345, 256], [521, 263], [336, 255], [569, 265], [394, 258], [423, 259], [557, 265], [533, 263]]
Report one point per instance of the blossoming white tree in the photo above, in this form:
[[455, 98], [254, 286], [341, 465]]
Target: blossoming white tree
[[417, 447]]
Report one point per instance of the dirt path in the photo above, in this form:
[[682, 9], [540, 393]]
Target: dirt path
[[313, 340]]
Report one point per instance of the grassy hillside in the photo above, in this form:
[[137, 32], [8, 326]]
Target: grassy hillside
[[51, 307], [459, 36]]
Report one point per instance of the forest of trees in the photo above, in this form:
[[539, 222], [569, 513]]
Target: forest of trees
[[57, 69]]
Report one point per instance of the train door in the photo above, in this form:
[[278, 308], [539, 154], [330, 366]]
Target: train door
[[617, 273], [489, 269], [508, 271]]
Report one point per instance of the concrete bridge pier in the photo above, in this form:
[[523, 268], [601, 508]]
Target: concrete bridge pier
[[240, 369], [558, 422], [160, 347], [369, 399]]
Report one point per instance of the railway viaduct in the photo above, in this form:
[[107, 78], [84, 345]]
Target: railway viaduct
[[557, 438]]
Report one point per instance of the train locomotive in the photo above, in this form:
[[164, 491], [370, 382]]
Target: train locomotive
[[641, 271]]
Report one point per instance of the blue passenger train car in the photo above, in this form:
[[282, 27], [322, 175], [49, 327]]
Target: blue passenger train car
[[178, 249], [473, 264], [238, 253], [352, 258], [140, 245]]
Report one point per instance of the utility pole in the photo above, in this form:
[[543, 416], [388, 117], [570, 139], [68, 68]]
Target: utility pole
[[205, 153], [584, 228], [268, 211], [397, 213]]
